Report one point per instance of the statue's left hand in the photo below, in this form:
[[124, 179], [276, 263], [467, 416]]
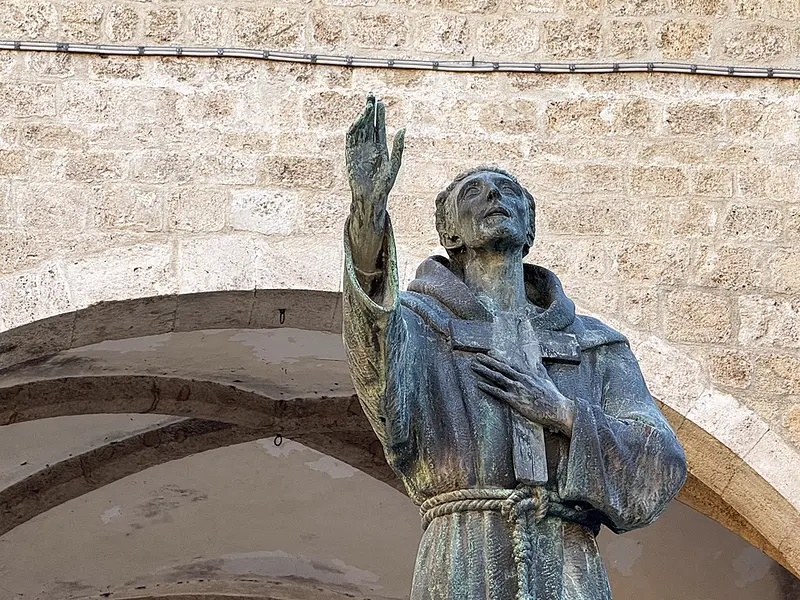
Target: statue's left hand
[[533, 395]]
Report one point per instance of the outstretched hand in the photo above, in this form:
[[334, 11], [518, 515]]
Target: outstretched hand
[[370, 168], [534, 395]]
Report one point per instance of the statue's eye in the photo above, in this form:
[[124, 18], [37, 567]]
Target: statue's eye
[[508, 187], [472, 190]]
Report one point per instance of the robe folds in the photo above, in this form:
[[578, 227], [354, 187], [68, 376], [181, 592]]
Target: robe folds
[[440, 433]]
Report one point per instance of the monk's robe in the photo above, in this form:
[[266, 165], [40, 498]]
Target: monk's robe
[[440, 433]]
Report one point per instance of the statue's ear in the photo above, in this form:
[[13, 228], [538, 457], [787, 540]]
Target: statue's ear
[[450, 241]]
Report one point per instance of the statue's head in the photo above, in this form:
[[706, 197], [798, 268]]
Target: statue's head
[[485, 208]]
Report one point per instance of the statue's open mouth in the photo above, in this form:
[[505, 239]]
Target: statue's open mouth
[[497, 210]]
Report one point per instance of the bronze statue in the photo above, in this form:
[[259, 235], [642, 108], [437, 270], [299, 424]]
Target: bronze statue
[[519, 427]]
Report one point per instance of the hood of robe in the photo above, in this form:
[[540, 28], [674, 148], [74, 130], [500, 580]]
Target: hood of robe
[[436, 287]]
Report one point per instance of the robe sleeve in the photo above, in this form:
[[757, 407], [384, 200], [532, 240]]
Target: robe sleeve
[[376, 341], [624, 459]]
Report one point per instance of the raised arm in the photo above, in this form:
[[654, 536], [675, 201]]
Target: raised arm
[[372, 173], [375, 334]]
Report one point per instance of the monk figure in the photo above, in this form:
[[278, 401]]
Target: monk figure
[[519, 427]]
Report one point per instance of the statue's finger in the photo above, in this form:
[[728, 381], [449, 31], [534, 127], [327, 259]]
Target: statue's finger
[[499, 365], [496, 392], [397, 151], [493, 376], [380, 125]]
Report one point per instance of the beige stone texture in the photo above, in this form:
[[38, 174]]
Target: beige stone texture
[[697, 317], [667, 204]]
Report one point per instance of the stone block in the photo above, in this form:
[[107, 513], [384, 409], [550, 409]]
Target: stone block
[[637, 8], [769, 321], [757, 42], [773, 182], [121, 273], [37, 293], [692, 316], [234, 168], [161, 166], [115, 67], [22, 100], [462, 6], [272, 28], [511, 117], [769, 458], [678, 39], [791, 423], [124, 319], [50, 206], [728, 267], [197, 209], [585, 215], [126, 207], [729, 421], [204, 24], [121, 23], [163, 24], [760, 119], [30, 20], [700, 8], [445, 34], [693, 217], [581, 116], [712, 181], [635, 116], [214, 310], [95, 167], [79, 11], [707, 459], [641, 306], [298, 171], [777, 373], [51, 64], [678, 387], [658, 181], [784, 10], [627, 39], [748, 9], [265, 211], [695, 118], [751, 495], [784, 271], [219, 262], [35, 340], [332, 110], [502, 36], [12, 163], [752, 222], [568, 38], [730, 368], [380, 31], [300, 263], [327, 28], [302, 309], [83, 102], [664, 263]]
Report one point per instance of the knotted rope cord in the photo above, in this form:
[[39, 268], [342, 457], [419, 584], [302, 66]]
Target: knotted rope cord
[[514, 505]]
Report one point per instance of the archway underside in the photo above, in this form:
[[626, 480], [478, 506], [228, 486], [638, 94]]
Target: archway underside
[[218, 413]]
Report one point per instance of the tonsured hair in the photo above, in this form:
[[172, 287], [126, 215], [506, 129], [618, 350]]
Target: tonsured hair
[[443, 218]]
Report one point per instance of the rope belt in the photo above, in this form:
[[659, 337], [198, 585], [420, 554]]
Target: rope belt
[[515, 506]]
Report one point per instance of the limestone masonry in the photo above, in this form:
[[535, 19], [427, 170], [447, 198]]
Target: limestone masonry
[[668, 204]]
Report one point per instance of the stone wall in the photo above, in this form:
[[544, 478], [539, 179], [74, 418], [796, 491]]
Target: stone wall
[[668, 204], [742, 31]]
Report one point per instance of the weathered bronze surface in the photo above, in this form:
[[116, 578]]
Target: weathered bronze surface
[[519, 427]]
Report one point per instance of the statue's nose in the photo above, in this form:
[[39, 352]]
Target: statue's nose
[[493, 194]]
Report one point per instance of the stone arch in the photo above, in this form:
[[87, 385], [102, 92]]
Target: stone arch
[[729, 481]]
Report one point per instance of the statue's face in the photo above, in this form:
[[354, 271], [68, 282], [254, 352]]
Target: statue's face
[[491, 212]]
